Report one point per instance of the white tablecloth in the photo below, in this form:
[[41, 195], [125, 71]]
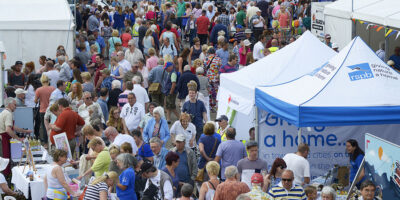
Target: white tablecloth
[[22, 183]]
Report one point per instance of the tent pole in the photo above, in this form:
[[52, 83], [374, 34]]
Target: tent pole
[[299, 137], [256, 125], [1, 78]]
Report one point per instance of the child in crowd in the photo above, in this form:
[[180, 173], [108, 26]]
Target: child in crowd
[[311, 192]]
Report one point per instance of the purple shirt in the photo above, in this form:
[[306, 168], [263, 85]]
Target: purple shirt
[[230, 151], [227, 69]]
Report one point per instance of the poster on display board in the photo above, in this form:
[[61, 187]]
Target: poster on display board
[[382, 166], [327, 144], [318, 19]]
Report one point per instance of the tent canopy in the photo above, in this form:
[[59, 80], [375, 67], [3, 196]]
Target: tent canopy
[[354, 88], [35, 15], [384, 12], [306, 53]]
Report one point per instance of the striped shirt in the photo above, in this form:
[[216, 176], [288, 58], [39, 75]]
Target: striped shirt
[[278, 192], [93, 191]]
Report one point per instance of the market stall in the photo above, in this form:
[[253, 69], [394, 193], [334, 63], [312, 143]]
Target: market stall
[[353, 93], [236, 91]]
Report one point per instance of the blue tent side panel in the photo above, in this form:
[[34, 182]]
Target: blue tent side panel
[[347, 116], [286, 111]]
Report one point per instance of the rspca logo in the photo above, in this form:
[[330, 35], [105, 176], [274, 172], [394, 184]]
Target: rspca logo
[[360, 71]]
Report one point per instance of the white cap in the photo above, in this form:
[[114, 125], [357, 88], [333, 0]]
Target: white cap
[[335, 46], [3, 163], [20, 91], [180, 138]]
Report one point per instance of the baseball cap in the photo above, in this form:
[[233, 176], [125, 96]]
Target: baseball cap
[[327, 36], [239, 26], [19, 63], [180, 138], [335, 46], [248, 31], [168, 64], [257, 9], [222, 117], [20, 91], [146, 166], [257, 178]]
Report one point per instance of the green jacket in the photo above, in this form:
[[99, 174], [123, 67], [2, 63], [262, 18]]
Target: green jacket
[[102, 163]]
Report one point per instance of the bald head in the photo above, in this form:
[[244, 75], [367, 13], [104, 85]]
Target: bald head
[[111, 133], [274, 42]]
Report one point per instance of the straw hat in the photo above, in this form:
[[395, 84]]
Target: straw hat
[[3, 163]]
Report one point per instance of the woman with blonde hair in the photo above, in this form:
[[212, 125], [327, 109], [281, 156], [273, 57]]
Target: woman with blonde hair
[[113, 40], [152, 61], [76, 96], [116, 121], [102, 162], [207, 189], [185, 127], [148, 42], [117, 72], [87, 85], [98, 189], [42, 94]]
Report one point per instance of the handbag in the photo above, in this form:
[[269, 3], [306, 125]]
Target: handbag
[[200, 172], [155, 88]]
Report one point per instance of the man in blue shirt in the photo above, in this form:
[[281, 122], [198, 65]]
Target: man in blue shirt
[[159, 152], [396, 58], [102, 101], [217, 28], [99, 40], [223, 53], [187, 168]]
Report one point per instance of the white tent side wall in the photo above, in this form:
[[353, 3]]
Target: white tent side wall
[[332, 26], [29, 45]]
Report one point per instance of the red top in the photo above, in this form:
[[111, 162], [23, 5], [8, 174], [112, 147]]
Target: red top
[[202, 25], [43, 94], [67, 122], [125, 37], [150, 15], [98, 74]]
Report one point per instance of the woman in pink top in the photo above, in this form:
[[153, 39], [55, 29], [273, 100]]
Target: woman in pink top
[[42, 94], [243, 52], [153, 60], [150, 14], [283, 17]]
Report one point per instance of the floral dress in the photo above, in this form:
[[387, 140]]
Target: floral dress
[[212, 65]]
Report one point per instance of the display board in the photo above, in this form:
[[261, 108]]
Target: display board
[[327, 144], [317, 19], [382, 166], [23, 117]]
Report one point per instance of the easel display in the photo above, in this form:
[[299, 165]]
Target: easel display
[[29, 157]]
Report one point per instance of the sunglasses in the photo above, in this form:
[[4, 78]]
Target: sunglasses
[[287, 180], [88, 98]]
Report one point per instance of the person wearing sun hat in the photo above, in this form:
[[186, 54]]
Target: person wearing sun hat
[[168, 89], [4, 189], [20, 97], [243, 53]]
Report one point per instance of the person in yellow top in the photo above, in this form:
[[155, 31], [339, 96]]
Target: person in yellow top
[[223, 126], [102, 162], [256, 192]]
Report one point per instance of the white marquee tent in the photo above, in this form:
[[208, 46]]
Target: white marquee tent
[[236, 91], [338, 16], [354, 88], [30, 29]]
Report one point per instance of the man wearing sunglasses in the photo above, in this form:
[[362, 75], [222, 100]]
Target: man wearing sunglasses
[[286, 189], [83, 110]]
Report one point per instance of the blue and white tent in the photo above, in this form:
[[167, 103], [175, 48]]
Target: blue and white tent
[[354, 88], [236, 91]]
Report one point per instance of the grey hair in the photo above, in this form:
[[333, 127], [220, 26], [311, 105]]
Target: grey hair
[[187, 190], [137, 79], [382, 45], [86, 93], [186, 68], [328, 190], [62, 58], [160, 111], [243, 197], [115, 84], [231, 171], [199, 70], [120, 53], [125, 160], [139, 20], [132, 42], [8, 101], [155, 140]]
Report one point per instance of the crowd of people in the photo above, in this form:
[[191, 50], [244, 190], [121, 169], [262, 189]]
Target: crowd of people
[[134, 67]]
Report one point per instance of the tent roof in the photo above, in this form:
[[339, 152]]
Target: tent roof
[[354, 88], [293, 61], [384, 12], [35, 15], [342, 8]]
